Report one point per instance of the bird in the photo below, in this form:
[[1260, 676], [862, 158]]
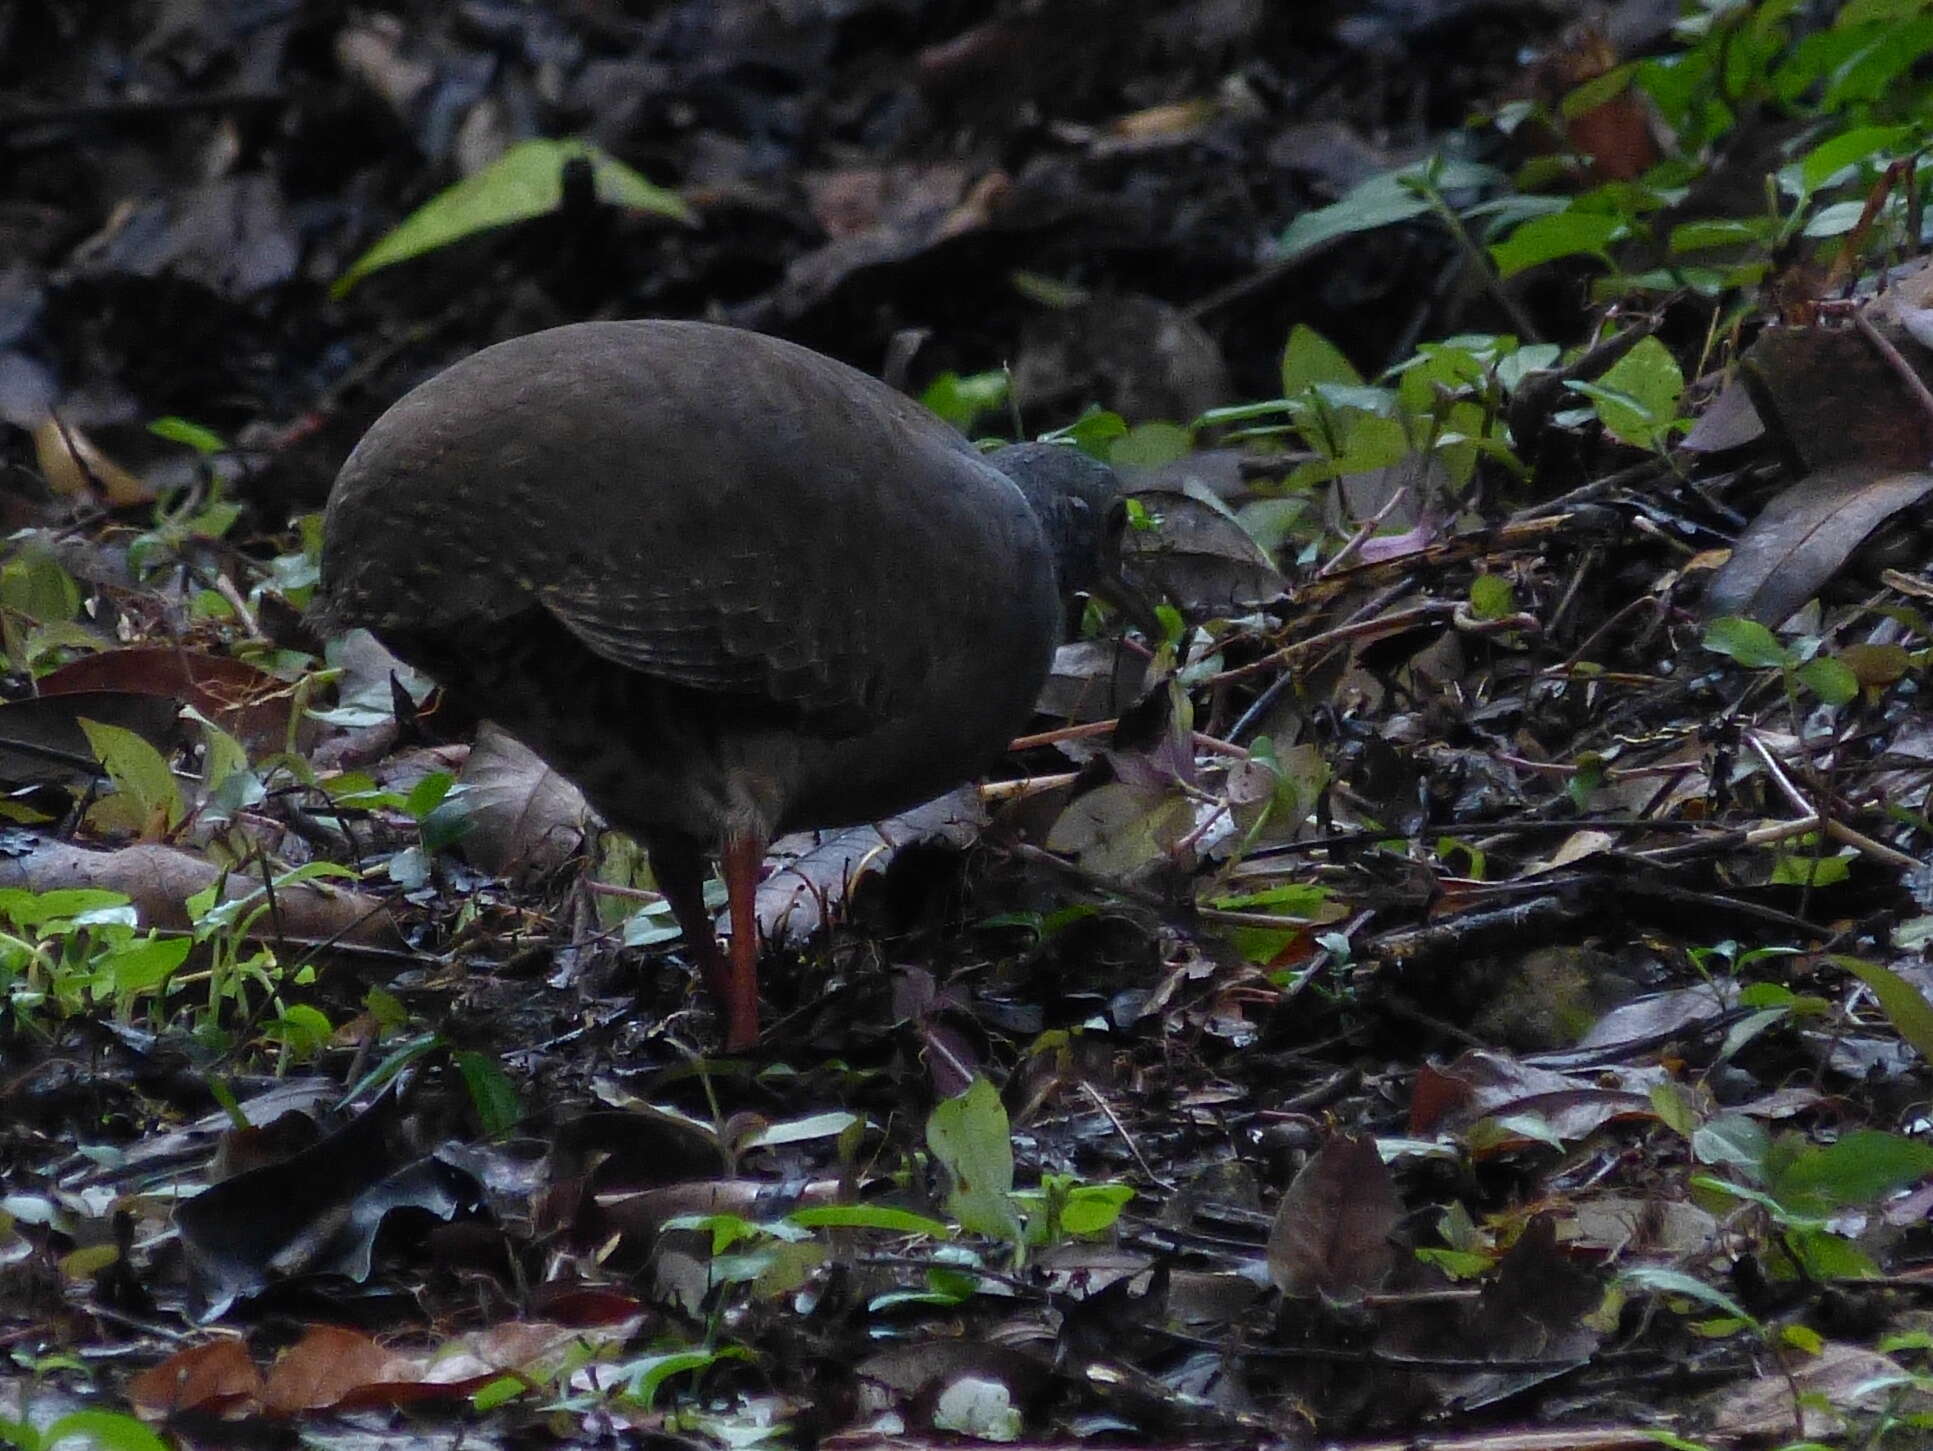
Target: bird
[[727, 585]]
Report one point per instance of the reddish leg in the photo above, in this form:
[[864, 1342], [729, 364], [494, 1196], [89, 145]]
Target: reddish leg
[[740, 864], [680, 870]]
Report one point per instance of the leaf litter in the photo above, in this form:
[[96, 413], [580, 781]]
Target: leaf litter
[[1463, 977]]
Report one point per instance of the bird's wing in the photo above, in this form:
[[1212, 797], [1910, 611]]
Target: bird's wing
[[746, 624]]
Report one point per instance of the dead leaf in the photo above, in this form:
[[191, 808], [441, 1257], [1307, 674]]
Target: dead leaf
[[822, 869], [1803, 537], [215, 1377], [1333, 1231], [525, 819]]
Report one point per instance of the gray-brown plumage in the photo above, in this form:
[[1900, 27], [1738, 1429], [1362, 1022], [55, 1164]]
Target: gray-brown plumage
[[730, 587]]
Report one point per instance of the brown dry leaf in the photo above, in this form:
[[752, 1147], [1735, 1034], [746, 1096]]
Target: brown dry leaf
[[1837, 399], [1843, 1376], [1199, 555], [331, 1366], [1533, 1309], [533, 1348], [216, 1377], [1333, 1230], [1482, 1085], [1658, 1015], [250, 704], [1729, 421], [41, 740], [525, 819], [1119, 831], [1804, 535], [826, 867], [1093, 680], [1618, 1225]]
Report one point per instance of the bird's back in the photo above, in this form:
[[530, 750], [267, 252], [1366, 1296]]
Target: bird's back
[[754, 541]]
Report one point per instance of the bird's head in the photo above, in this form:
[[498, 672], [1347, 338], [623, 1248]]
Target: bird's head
[[1077, 499]]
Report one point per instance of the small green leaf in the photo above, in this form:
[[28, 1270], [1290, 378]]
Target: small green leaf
[[969, 1136], [1860, 1168], [1093, 1208], [1561, 234], [869, 1216], [138, 770], [1659, 1281], [303, 1029], [525, 182], [1746, 641], [202, 440], [99, 1431], [1794, 870], [1829, 679], [1905, 1006], [1491, 597], [491, 1092], [1637, 398], [1310, 358], [960, 400], [1380, 201], [1150, 445]]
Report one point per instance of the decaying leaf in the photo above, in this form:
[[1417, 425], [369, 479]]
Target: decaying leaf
[[1333, 1231], [1801, 539]]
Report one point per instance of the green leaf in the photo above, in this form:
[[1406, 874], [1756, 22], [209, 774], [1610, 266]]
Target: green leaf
[[799, 1130], [202, 440], [649, 1374], [1868, 148], [1637, 399], [303, 1029], [1310, 358], [869, 1216], [1659, 1281], [1561, 234], [1093, 1208], [969, 1136], [1094, 432], [142, 966], [1791, 869], [138, 770], [525, 182], [1829, 679], [1150, 445], [1905, 1006], [1709, 233], [33, 584], [1732, 1141], [1381, 201], [492, 1093], [99, 1431], [1746, 641], [1491, 597], [960, 400], [1861, 1168]]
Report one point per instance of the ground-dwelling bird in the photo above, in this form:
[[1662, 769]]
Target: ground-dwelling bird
[[728, 586]]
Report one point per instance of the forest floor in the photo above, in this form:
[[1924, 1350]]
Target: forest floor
[[1466, 983]]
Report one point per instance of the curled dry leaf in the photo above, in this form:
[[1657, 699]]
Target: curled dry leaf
[[1198, 554], [1805, 535], [525, 819], [825, 867]]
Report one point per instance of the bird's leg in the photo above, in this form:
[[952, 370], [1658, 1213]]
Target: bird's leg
[[680, 871], [743, 853]]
